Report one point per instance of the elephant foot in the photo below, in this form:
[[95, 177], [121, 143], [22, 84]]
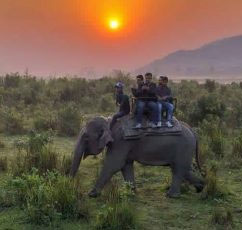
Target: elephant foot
[[94, 193], [173, 194]]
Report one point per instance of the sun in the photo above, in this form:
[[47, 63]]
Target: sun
[[114, 24]]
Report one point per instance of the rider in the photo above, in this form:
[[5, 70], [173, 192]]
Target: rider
[[146, 97], [122, 100], [164, 101]]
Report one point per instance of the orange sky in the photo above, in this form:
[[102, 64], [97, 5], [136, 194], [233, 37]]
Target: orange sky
[[69, 36]]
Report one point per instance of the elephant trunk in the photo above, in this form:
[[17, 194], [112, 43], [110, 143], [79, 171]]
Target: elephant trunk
[[78, 155]]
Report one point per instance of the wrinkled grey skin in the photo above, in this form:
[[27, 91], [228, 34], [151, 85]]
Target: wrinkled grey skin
[[173, 151]]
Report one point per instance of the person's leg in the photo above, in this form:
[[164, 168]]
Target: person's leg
[[140, 111], [159, 111], [159, 114], [169, 107], [115, 117], [154, 111]]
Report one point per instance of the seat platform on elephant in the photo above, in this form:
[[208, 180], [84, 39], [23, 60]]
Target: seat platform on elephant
[[128, 124]]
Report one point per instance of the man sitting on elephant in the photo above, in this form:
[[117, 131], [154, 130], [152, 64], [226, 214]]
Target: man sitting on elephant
[[164, 101], [123, 101], [146, 97]]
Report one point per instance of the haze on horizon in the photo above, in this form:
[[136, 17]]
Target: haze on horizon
[[61, 36]]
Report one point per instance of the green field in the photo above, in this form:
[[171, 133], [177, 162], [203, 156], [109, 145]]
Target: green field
[[154, 210], [39, 124]]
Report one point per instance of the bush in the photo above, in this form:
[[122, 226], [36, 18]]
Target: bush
[[234, 160], [237, 146], [13, 122], [47, 197], [3, 164], [212, 189], [69, 120], [117, 213], [222, 217], [213, 133], [2, 145], [208, 105], [66, 162], [45, 122], [217, 144], [35, 151], [210, 85]]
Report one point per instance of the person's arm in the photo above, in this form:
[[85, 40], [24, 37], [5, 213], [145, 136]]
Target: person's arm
[[152, 90], [168, 95], [134, 92], [124, 103], [137, 92]]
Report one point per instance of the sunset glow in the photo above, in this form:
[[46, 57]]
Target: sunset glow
[[114, 24], [61, 36]]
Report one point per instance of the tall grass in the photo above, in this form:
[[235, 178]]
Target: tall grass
[[46, 198], [35, 151], [213, 189], [118, 213]]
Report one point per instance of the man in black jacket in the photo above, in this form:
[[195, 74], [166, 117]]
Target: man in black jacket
[[122, 100], [146, 97]]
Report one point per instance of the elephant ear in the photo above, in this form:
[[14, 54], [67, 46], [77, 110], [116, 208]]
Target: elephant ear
[[105, 139]]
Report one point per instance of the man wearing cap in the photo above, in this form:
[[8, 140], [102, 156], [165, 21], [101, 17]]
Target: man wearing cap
[[122, 100], [164, 101]]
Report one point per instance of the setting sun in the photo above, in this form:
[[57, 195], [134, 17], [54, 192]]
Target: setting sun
[[114, 24]]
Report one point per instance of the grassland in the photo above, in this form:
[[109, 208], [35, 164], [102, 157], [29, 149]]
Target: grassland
[[155, 211], [63, 105]]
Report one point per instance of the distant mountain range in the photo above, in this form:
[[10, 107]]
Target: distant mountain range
[[222, 57]]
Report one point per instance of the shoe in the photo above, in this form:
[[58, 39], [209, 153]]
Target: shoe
[[152, 125], [138, 126], [169, 125], [159, 124]]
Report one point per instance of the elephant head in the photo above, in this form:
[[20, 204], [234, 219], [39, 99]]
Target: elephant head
[[92, 140]]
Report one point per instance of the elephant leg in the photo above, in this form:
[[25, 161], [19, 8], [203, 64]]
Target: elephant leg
[[128, 173], [112, 164], [196, 182], [175, 188]]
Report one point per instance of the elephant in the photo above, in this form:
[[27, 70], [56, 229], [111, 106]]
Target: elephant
[[173, 151]]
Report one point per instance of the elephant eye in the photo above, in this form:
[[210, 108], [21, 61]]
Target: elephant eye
[[85, 136]]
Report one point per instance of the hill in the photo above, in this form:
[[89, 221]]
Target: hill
[[219, 57]]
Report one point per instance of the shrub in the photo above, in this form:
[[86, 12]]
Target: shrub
[[107, 103], [217, 143], [212, 189], [47, 197], [65, 166], [213, 133], [117, 213], [234, 160], [3, 163], [237, 146], [208, 105], [210, 85], [35, 151], [12, 80], [45, 122], [69, 120], [222, 217], [13, 122], [2, 145]]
